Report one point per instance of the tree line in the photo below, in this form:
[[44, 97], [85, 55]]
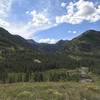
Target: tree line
[[20, 65]]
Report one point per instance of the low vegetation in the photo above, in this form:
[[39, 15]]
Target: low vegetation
[[50, 91], [54, 75]]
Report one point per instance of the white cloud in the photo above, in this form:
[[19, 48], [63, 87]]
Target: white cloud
[[80, 11], [63, 4], [22, 30], [74, 32], [39, 19], [69, 31], [5, 6], [27, 30], [4, 23], [48, 40]]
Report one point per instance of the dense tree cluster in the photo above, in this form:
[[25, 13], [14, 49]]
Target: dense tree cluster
[[20, 65]]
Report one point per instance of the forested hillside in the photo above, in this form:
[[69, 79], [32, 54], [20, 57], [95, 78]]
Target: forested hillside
[[21, 58]]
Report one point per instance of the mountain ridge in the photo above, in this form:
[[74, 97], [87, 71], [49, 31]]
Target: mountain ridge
[[20, 55], [86, 42]]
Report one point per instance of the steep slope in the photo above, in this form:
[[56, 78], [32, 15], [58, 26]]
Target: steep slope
[[48, 48], [52, 48], [88, 41], [8, 40]]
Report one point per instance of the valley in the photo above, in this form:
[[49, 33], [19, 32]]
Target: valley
[[67, 70]]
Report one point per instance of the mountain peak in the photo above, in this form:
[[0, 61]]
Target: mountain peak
[[88, 31], [61, 41], [91, 32], [31, 41]]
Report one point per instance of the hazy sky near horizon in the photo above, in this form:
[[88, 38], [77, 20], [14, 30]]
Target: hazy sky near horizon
[[49, 20]]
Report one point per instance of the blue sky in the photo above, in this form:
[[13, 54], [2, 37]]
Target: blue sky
[[49, 20]]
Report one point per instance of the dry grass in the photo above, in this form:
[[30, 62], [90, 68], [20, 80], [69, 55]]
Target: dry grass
[[50, 91]]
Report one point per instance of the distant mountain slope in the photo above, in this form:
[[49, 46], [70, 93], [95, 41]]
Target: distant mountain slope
[[48, 48], [8, 40], [88, 41], [51, 48]]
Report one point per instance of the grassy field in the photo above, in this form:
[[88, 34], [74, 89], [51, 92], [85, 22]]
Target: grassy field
[[50, 91]]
